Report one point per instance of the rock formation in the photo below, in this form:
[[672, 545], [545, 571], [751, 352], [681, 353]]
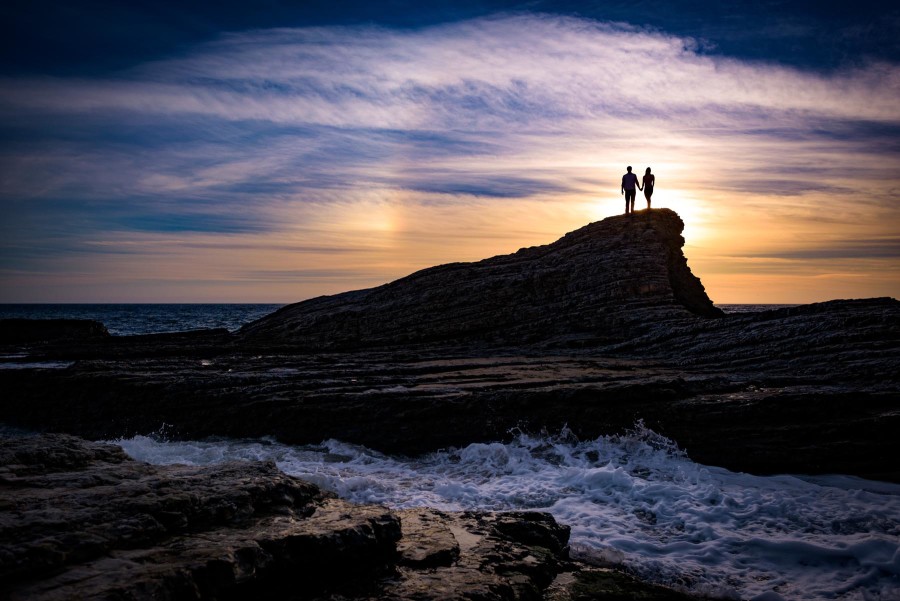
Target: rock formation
[[603, 281]]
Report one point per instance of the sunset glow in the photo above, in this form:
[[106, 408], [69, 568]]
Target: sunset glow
[[280, 163]]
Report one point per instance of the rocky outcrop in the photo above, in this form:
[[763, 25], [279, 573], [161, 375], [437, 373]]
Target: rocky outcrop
[[80, 520], [603, 281]]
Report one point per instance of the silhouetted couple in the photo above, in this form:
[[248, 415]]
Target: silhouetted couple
[[630, 182]]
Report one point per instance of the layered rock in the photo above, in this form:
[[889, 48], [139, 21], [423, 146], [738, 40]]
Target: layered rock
[[603, 281]]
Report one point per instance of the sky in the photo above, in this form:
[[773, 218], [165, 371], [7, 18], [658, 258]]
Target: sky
[[276, 151]]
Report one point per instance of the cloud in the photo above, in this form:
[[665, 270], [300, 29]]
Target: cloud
[[487, 71], [886, 248], [482, 130]]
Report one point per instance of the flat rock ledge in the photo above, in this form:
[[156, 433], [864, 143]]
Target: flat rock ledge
[[81, 520]]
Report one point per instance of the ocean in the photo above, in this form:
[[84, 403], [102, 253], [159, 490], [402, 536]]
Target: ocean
[[635, 500], [130, 319]]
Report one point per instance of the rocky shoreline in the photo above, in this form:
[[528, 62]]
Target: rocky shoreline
[[604, 329], [81, 520]]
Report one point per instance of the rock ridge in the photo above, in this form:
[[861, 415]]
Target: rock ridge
[[602, 281]]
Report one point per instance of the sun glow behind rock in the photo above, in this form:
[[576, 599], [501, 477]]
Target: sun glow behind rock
[[339, 158]]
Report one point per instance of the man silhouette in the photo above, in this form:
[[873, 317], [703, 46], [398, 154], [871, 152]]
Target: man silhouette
[[629, 183]]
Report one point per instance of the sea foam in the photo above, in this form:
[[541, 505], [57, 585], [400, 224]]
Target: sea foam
[[636, 500]]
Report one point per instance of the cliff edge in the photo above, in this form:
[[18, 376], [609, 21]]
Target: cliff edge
[[601, 282]]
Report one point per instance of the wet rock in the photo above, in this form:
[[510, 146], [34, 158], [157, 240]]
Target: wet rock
[[493, 558], [603, 584], [530, 528], [427, 539]]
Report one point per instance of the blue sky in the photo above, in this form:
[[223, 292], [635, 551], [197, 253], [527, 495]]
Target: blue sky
[[220, 152]]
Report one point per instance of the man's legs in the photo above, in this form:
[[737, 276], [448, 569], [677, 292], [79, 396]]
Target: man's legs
[[629, 201]]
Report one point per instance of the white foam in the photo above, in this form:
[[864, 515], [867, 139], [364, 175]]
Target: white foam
[[635, 500]]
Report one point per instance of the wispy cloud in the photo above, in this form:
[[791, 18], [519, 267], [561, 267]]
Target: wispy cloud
[[884, 248], [484, 71], [429, 135]]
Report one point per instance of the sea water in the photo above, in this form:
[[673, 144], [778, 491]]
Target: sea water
[[128, 319], [634, 500]]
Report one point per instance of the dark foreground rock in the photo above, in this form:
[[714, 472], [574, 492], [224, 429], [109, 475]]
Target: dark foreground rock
[[20, 331], [81, 520], [598, 331]]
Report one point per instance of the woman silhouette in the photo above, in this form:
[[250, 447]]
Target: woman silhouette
[[649, 180]]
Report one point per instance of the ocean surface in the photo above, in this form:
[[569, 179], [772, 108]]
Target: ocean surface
[[128, 319], [636, 500]]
